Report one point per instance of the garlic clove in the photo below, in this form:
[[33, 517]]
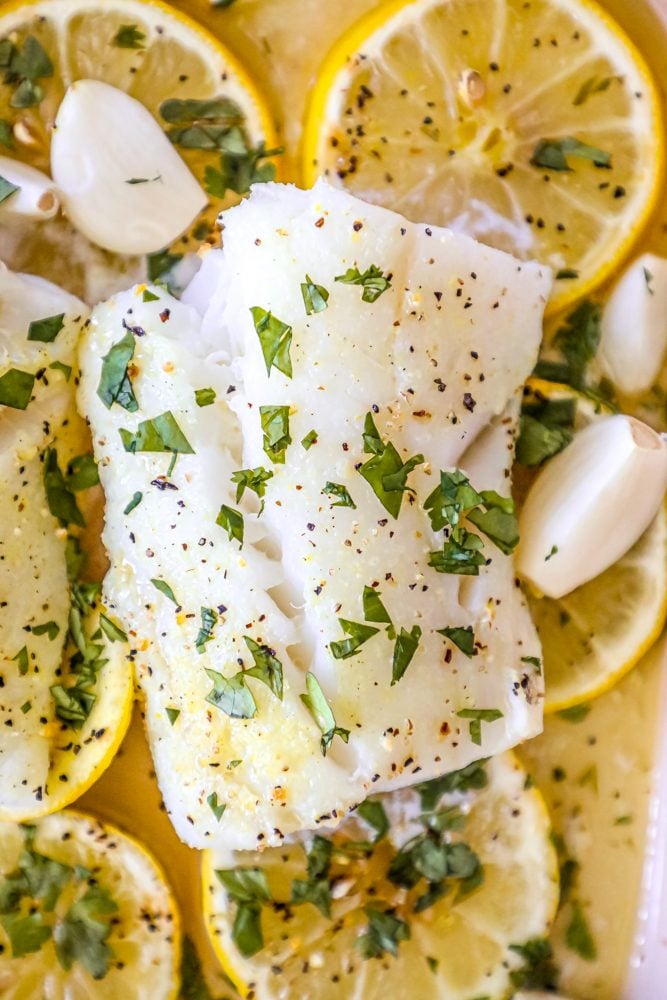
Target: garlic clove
[[633, 338], [591, 503], [123, 184], [36, 197]]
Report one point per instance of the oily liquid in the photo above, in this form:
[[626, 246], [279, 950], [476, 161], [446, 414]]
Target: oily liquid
[[595, 774]]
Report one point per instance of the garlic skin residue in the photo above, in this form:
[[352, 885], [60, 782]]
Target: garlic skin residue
[[123, 184], [591, 503], [36, 197], [634, 326]]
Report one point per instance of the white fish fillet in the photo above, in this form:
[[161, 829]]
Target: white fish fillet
[[33, 577], [458, 319]]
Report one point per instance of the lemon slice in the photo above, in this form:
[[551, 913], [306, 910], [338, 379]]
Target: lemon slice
[[458, 947], [490, 117], [155, 54], [593, 636], [85, 911]]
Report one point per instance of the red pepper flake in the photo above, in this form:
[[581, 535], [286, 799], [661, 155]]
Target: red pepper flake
[[319, 222], [357, 226], [165, 314]]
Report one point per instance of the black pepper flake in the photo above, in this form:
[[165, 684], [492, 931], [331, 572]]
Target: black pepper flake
[[469, 402]]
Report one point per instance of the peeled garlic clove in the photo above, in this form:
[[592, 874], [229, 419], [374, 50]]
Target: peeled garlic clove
[[36, 197], [591, 503], [634, 326], [123, 184]]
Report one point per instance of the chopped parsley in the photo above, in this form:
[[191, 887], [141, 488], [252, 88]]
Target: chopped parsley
[[23, 68], [470, 778], [7, 189], [372, 812], [593, 85], [254, 480], [578, 936], [315, 297], [217, 808], [231, 695], [172, 714], [59, 366], [648, 278], [374, 609], [309, 440], [112, 631], [158, 434], [232, 521], [477, 716], [405, 648], [275, 338], [241, 164], [161, 266], [16, 388], [553, 154], [59, 497], [50, 629], [21, 660], [129, 36], [343, 649], [539, 971], [81, 473], [165, 589], [577, 713], [383, 933], [134, 502], [149, 296], [462, 636], [268, 667], [318, 706], [6, 134], [249, 889], [115, 384], [204, 397], [316, 889], [343, 497], [546, 427], [373, 281], [275, 425], [46, 330], [209, 619], [385, 471]]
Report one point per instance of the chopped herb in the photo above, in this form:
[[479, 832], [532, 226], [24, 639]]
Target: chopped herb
[[648, 278], [275, 338], [462, 557], [26, 934], [405, 648], [385, 472], [159, 434], [373, 281], [623, 820], [134, 502], [462, 636], [21, 659], [165, 589], [240, 164], [83, 933], [143, 180], [318, 706], [193, 984], [249, 889], [16, 387], [7, 189], [547, 426], [470, 778], [129, 36], [343, 649], [82, 473], [46, 330], [204, 397], [577, 713], [6, 134], [534, 661], [149, 296], [593, 85], [268, 667], [309, 440], [185, 112], [231, 695], [172, 714], [115, 385], [50, 629], [112, 631], [59, 497], [374, 609], [340, 491], [566, 274], [233, 763], [232, 521], [552, 552], [275, 424], [552, 154], [217, 808], [209, 619], [578, 937], [160, 266], [578, 340], [316, 889], [372, 812], [59, 366], [477, 716], [254, 480], [315, 297], [538, 971], [383, 934]]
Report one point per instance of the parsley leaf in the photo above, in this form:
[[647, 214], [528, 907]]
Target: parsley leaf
[[372, 812], [158, 434], [165, 589], [82, 935], [575, 714], [254, 480], [113, 632], [343, 649], [232, 521], [539, 971], [268, 667], [315, 297], [547, 426], [231, 695], [59, 497], [15, 385], [134, 502], [26, 934], [318, 706], [7, 189], [209, 619], [240, 164], [385, 472], [275, 424], [217, 808], [405, 648], [193, 983], [21, 659], [578, 340], [316, 889], [172, 714], [477, 716], [129, 36], [552, 154], [373, 281], [578, 937], [383, 934], [160, 267], [340, 491], [471, 777], [462, 636], [309, 440], [51, 629], [249, 889], [149, 296], [275, 338], [46, 330], [115, 385], [374, 609], [82, 473], [205, 397]]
